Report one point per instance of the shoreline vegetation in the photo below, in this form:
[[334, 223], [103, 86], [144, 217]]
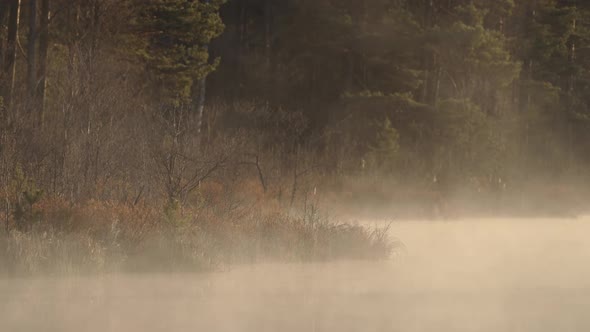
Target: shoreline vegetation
[[378, 198], [45, 235], [101, 237]]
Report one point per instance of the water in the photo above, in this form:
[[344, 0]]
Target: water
[[471, 275]]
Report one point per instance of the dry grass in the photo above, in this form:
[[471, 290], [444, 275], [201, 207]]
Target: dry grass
[[102, 236]]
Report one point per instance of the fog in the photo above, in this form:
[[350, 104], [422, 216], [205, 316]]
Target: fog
[[468, 275]]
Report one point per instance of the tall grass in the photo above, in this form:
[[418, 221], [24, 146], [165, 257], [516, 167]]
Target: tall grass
[[105, 237]]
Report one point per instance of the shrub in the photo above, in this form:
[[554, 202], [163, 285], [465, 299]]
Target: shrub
[[102, 236]]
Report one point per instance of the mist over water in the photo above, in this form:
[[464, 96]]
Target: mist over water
[[462, 275]]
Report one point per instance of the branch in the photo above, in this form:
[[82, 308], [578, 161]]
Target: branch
[[258, 168], [22, 51], [197, 180]]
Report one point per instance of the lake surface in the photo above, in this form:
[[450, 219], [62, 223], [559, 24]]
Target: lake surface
[[469, 275]]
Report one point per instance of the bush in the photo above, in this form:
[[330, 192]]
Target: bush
[[101, 236]]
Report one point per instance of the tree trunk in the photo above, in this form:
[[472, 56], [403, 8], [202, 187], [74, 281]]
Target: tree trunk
[[43, 50], [4, 8], [241, 47], [9, 69], [201, 108], [435, 84], [431, 81], [200, 103], [571, 90], [3, 11], [268, 48], [31, 49]]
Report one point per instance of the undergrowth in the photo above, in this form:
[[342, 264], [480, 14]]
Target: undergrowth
[[106, 237]]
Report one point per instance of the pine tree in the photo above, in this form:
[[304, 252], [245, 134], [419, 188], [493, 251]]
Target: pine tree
[[175, 49]]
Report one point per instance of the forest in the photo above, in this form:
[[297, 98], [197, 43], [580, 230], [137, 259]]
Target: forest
[[211, 122]]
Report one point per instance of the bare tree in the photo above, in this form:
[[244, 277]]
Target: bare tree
[[9, 69], [32, 49], [43, 52], [182, 163]]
